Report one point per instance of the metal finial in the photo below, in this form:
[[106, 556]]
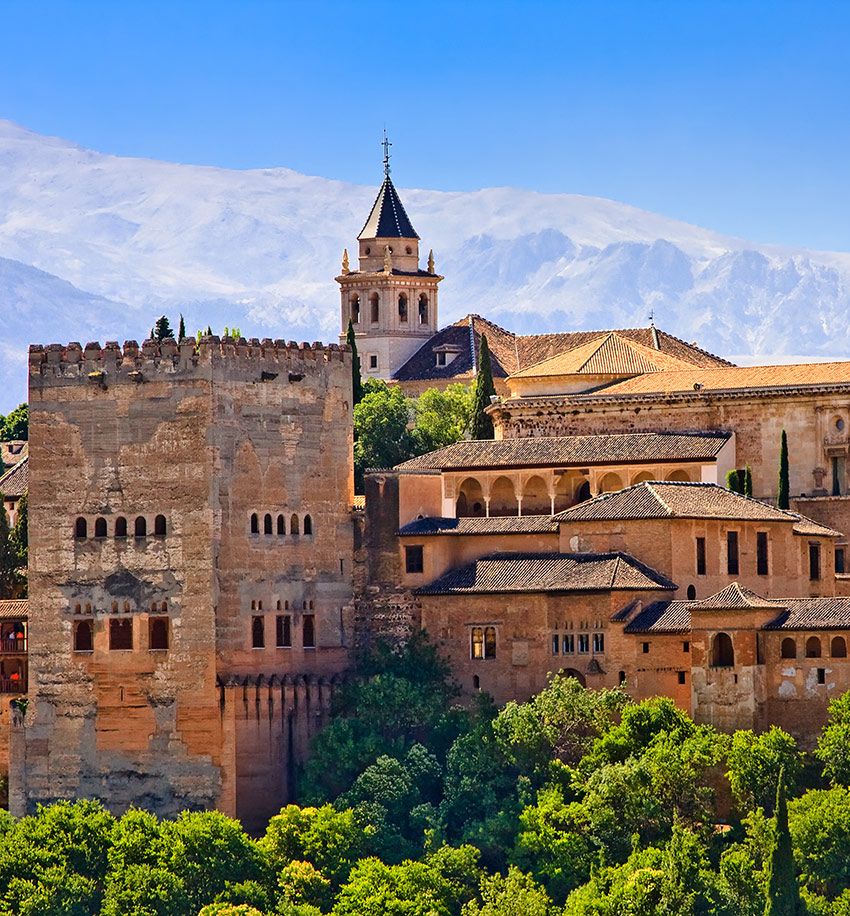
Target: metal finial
[[386, 145], [651, 316]]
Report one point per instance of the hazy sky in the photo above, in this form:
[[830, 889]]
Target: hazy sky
[[732, 115]]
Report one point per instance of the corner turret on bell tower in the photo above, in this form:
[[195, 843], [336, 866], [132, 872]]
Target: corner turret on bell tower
[[390, 301]]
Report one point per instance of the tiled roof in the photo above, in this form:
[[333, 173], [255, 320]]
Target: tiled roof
[[610, 354], [674, 499], [733, 597], [734, 378], [388, 219], [13, 451], [15, 481], [510, 353], [507, 524], [662, 617], [548, 572], [539, 451], [14, 610], [812, 614], [809, 527]]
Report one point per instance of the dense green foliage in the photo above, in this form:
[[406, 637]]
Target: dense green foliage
[[734, 482], [482, 425], [784, 479], [748, 481], [390, 427], [15, 425], [13, 552], [575, 803]]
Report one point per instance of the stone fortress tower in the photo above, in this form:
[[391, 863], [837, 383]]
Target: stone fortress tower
[[391, 303], [191, 554]]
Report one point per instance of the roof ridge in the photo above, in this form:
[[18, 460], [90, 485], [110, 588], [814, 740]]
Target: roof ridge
[[657, 496]]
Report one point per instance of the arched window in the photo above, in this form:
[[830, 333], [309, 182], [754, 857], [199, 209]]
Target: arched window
[[679, 476], [158, 633], [281, 525], [81, 528], [159, 526], [503, 499], [692, 593], [838, 649], [621, 678], [83, 641], [722, 652], [355, 309], [120, 527], [121, 633], [788, 648], [813, 647], [402, 308], [375, 308], [423, 309], [258, 633], [308, 525], [141, 528], [470, 499], [583, 492], [267, 524], [255, 523], [610, 483], [100, 527], [294, 527]]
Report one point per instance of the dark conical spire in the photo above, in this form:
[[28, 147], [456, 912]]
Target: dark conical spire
[[388, 219]]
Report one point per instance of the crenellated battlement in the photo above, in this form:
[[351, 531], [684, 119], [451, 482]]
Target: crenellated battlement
[[110, 362]]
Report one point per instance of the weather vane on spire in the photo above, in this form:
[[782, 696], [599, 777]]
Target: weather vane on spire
[[386, 145]]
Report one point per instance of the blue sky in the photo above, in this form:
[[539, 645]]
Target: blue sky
[[732, 115]]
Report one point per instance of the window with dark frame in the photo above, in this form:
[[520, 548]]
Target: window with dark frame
[[258, 633], [761, 553], [283, 631], [700, 556], [121, 633], [414, 558], [482, 642], [732, 565], [839, 560], [814, 562], [568, 644], [308, 631], [158, 632]]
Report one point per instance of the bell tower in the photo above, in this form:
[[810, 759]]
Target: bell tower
[[390, 301]]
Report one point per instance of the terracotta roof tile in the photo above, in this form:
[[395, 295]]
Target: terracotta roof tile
[[14, 610], [662, 617], [540, 451], [15, 481], [812, 614], [548, 572], [673, 499], [506, 524], [733, 597]]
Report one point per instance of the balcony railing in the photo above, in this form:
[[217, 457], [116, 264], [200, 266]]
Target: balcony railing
[[13, 646], [13, 685]]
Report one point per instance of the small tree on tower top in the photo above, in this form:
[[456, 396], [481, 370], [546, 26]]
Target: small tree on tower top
[[784, 485], [482, 425], [162, 328], [181, 333]]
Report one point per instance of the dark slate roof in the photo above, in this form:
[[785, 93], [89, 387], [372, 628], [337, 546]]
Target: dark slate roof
[[508, 524], [14, 610], [674, 499], [388, 219], [733, 597], [540, 451], [548, 572], [512, 352], [15, 481], [662, 617], [812, 614]]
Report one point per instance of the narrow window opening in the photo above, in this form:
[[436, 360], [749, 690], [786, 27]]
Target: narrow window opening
[[160, 526], [732, 553], [681, 677], [645, 648], [355, 309], [686, 646], [255, 523], [83, 641], [814, 562], [476, 682], [692, 592], [120, 527], [141, 527], [308, 631], [281, 526], [80, 528], [839, 560], [158, 632], [375, 307], [402, 308], [294, 526], [267, 524], [700, 556], [423, 309], [308, 525], [761, 553], [258, 633], [821, 675], [100, 527], [414, 559], [568, 644], [284, 631]]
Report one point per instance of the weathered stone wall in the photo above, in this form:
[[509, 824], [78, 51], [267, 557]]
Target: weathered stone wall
[[204, 436]]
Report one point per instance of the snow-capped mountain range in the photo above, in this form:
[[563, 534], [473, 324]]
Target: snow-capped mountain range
[[94, 247]]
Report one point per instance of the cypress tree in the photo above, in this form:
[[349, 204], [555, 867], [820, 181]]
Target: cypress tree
[[356, 378], [8, 556], [784, 485], [482, 425], [733, 481], [783, 893], [748, 482], [181, 333], [162, 328]]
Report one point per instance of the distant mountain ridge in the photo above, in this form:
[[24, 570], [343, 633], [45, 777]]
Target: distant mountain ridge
[[94, 246]]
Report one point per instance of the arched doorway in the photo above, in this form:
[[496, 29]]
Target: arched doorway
[[470, 499], [572, 672]]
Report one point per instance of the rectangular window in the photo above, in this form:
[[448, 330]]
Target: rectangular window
[[258, 633], [837, 475], [441, 359], [283, 628], [681, 677], [821, 675], [839, 559], [583, 643], [568, 644], [598, 642], [158, 632], [414, 560], [814, 562], [373, 360], [121, 633], [761, 553], [732, 553], [556, 644], [700, 556], [645, 648], [686, 646], [308, 631], [482, 642]]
